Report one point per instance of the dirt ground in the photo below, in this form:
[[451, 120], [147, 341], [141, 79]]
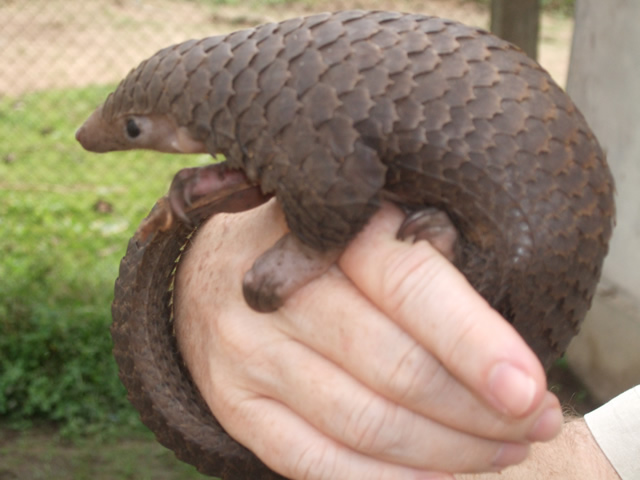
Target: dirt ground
[[66, 43]]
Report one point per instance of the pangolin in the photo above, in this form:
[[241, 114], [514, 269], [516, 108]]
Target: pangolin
[[334, 113]]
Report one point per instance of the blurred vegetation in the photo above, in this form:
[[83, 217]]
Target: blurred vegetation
[[563, 6], [65, 218]]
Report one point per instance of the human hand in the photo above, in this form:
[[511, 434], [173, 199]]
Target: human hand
[[388, 367]]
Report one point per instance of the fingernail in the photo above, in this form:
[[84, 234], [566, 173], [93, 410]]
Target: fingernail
[[547, 426], [510, 454], [512, 388]]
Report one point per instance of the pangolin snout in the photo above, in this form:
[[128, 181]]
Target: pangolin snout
[[81, 136], [95, 135]]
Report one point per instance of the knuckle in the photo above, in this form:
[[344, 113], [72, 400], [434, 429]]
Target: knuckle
[[408, 275], [228, 403], [415, 374], [367, 429], [455, 354], [315, 462], [232, 339]]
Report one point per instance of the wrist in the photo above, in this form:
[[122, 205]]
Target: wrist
[[584, 458], [573, 455]]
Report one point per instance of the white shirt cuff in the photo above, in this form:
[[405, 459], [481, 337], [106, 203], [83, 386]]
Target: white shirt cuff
[[616, 428]]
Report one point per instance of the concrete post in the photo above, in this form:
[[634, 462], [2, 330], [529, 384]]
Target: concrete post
[[517, 21], [604, 82]]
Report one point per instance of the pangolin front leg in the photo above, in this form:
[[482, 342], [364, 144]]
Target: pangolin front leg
[[282, 270], [277, 273]]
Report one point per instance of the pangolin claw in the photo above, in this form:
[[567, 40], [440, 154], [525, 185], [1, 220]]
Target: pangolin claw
[[180, 193]]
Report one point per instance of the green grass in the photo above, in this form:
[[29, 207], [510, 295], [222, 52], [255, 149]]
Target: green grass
[[60, 255], [65, 218]]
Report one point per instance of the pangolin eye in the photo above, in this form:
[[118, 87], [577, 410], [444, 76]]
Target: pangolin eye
[[132, 128]]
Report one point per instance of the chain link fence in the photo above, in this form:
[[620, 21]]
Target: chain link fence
[[60, 59], [54, 51], [62, 47], [58, 44]]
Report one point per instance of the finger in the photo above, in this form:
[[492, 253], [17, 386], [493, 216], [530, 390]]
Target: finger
[[297, 450], [234, 365], [351, 329], [243, 352], [414, 285], [343, 409], [246, 353]]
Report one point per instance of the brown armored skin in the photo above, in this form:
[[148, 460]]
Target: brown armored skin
[[332, 114]]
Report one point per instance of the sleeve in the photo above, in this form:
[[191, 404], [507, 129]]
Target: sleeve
[[616, 428]]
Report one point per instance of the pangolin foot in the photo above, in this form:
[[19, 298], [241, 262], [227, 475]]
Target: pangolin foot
[[191, 185], [283, 269], [434, 226]]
